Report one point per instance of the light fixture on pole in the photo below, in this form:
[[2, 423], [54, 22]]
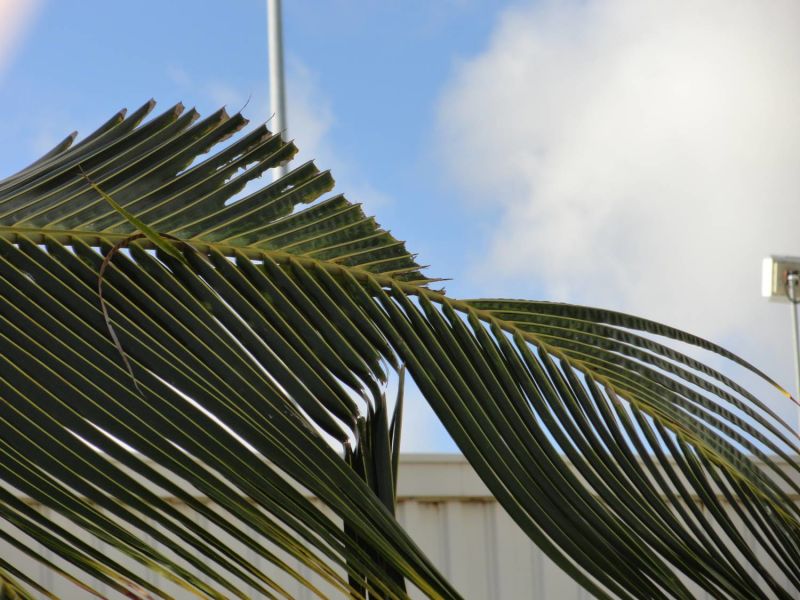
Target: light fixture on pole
[[277, 93], [781, 282]]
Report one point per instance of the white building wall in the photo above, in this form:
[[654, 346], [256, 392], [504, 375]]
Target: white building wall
[[449, 512]]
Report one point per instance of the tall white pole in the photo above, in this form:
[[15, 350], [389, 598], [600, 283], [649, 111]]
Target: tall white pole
[[277, 93], [780, 280], [792, 284]]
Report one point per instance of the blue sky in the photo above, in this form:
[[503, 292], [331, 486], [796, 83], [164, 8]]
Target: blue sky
[[636, 156]]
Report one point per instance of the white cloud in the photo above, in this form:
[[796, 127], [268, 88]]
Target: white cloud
[[310, 118], [642, 156], [178, 75], [223, 94], [312, 124], [15, 18], [309, 112]]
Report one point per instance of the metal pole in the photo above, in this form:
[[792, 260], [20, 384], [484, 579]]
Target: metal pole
[[277, 94], [792, 281]]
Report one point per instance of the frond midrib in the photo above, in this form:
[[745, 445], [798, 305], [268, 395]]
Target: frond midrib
[[39, 235]]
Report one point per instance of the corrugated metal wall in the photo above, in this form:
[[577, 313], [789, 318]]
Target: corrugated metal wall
[[450, 513]]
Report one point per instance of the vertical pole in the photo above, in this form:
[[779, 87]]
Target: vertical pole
[[277, 94], [792, 282]]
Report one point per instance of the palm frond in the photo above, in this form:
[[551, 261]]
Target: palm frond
[[234, 330]]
